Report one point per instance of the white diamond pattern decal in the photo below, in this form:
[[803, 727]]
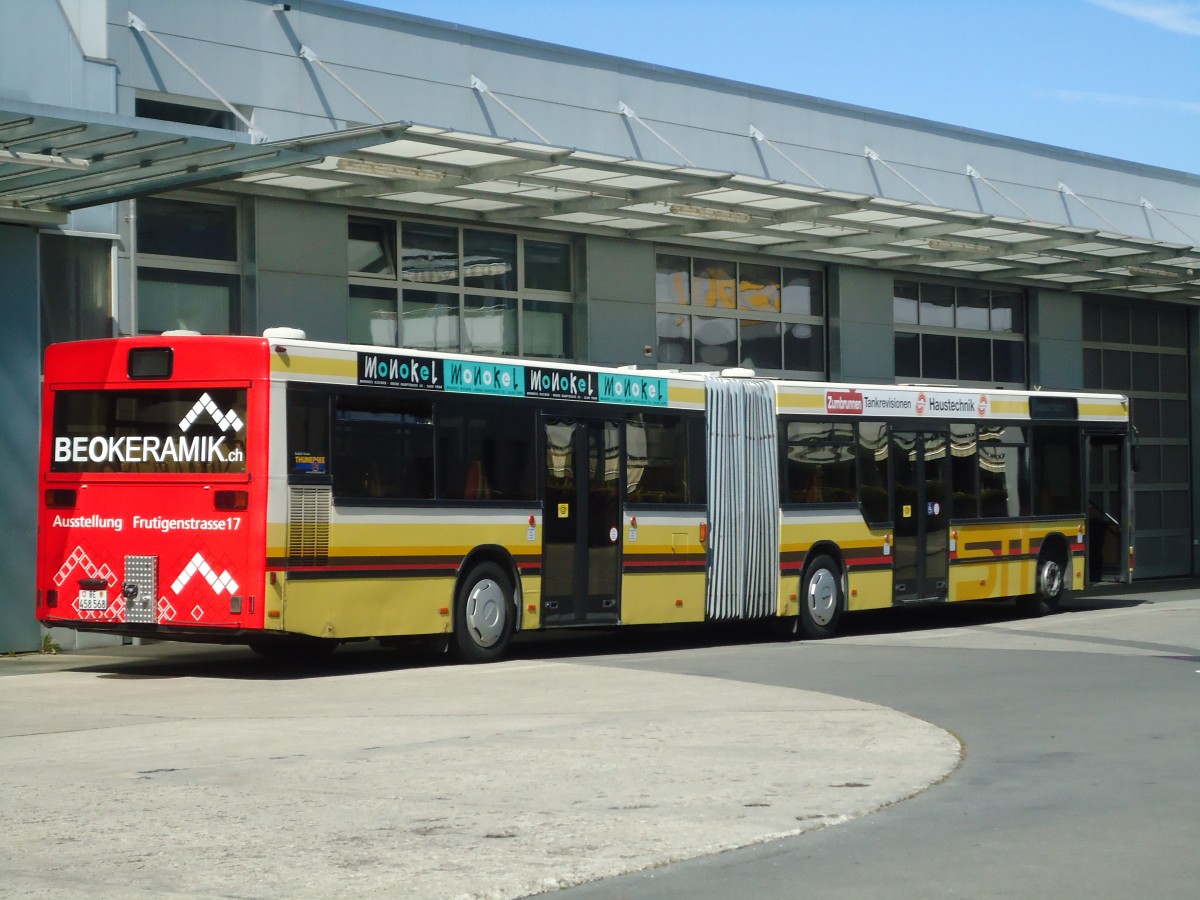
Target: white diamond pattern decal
[[218, 583], [81, 559], [166, 612], [228, 421]]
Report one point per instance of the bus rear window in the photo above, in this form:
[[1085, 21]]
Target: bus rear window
[[194, 431]]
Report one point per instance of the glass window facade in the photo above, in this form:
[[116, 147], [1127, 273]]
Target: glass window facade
[[959, 334], [459, 289], [189, 267], [718, 313]]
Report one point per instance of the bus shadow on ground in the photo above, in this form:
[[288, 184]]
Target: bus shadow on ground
[[174, 660]]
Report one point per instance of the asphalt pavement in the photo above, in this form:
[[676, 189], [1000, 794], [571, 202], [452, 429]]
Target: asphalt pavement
[[179, 771]]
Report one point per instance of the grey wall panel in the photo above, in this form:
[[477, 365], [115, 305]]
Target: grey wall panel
[[1056, 365], [620, 270], [19, 373], [620, 301], [862, 335], [620, 332], [300, 267], [40, 60], [1055, 340], [315, 303], [300, 237]]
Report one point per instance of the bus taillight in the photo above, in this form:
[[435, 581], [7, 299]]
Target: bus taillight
[[60, 498], [230, 500]]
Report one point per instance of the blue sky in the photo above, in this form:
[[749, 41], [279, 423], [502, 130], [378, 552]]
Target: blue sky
[[1113, 77]]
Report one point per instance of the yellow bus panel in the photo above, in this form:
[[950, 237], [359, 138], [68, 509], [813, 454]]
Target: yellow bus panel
[[662, 598], [367, 607]]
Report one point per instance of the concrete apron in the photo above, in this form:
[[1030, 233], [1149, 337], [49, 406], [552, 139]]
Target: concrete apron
[[483, 781]]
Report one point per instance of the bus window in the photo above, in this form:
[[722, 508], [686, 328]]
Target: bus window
[[1057, 469], [485, 452], [382, 448], [175, 431], [1003, 472], [308, 434], [964, 469], [818, 462], [873, 494], [656, 459], [697, 461]]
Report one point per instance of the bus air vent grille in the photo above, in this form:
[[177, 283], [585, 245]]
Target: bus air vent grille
[[308, 525]]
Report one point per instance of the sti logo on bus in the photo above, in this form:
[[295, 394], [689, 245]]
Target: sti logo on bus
[[846, 403], [399, 371]]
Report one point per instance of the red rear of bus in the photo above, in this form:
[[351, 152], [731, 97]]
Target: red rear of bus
[[153, 477]]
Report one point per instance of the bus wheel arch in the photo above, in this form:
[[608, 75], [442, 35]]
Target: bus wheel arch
[[486, 605], [1051, 577], [823, 592]]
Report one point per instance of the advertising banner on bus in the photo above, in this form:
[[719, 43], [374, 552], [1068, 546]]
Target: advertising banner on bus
[[922, 404]]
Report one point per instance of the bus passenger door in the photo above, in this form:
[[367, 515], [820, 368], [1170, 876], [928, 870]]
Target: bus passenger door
[[921, 566], [1109, 508], [581, 549]]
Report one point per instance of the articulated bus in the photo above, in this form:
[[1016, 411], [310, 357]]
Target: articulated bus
[[287, 493]]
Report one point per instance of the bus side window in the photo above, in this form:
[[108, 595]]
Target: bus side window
[[873, 472], [485, 451], [383, 448], [656, 459], [964, 471], [1003, 472], [308, 434], [818, 462], [697, 461]]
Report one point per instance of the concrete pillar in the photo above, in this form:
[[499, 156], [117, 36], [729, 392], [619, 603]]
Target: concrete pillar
[[20, 367]]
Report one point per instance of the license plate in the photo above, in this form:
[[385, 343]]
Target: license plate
[[93, 600]]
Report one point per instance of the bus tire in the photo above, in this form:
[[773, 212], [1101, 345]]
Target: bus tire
[[484, 616], [822, 600], [1049, 587]]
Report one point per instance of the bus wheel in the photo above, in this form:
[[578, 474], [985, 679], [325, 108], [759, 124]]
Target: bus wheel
[[821, 604], [1049, 589], [483, 616]]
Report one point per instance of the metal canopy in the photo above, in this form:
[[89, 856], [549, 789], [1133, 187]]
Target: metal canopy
[[411, 169], [54, 160]]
